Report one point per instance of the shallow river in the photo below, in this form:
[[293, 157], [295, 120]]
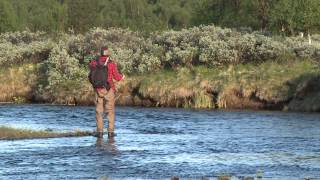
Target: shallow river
[[159, 143]]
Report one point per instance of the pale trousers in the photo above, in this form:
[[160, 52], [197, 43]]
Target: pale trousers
[[105, 103]]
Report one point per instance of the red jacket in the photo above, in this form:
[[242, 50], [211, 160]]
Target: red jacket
[[113, 72]]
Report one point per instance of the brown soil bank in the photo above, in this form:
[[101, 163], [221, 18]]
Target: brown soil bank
[[292, 85]]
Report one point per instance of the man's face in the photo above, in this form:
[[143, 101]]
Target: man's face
[[106, 52]]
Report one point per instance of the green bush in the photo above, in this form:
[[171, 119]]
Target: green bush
[[23, 37], [21, 47], [64, 76]]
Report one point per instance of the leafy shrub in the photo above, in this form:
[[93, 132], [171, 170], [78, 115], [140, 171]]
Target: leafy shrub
[[180, 47], [132, 52], [135, 53], [21, 47], [23, 37], [300, 47], [64, 75]]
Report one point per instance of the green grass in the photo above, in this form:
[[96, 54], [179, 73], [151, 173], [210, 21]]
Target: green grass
[[9, 133], [272, 82]]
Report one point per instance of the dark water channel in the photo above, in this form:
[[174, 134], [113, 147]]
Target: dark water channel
[[159, 143]]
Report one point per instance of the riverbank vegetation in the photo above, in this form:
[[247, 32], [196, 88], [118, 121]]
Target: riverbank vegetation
[[270, 85], [200, 67], [9, 133]]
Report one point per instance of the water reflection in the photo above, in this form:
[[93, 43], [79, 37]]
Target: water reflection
[[108, 146]]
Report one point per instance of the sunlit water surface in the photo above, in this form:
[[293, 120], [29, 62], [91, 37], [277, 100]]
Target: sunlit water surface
[[159, 143]]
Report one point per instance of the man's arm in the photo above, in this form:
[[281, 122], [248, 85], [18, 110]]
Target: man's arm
[[115, 73]]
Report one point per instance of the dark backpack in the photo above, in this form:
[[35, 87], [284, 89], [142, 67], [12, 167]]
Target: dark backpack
[[98, 75]]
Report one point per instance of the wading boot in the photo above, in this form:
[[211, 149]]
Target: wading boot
[[111, 134], [98, 134]]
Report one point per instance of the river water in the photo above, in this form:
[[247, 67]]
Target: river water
[[159, 143]]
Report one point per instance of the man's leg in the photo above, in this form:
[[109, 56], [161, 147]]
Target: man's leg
[[99, 115], [110, 108]]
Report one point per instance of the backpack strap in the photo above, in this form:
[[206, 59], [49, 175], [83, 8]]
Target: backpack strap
[[107, 61], [98, 60]]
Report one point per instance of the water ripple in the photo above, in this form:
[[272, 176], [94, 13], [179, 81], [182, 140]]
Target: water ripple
[[161, 143]]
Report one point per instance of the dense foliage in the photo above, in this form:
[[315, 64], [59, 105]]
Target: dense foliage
[[278, 16], [204, 45], [201, 67], [63, 60]]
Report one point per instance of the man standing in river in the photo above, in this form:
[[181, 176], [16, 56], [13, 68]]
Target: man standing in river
[[102, 72]]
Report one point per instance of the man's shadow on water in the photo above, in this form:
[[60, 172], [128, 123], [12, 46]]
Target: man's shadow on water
[[108, 145]]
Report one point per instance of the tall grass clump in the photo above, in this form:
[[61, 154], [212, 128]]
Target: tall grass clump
[[18, 83]]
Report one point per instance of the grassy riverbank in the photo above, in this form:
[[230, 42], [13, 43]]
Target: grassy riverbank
[[280, 85], [201, 67], [290, 85], [9, 133]]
